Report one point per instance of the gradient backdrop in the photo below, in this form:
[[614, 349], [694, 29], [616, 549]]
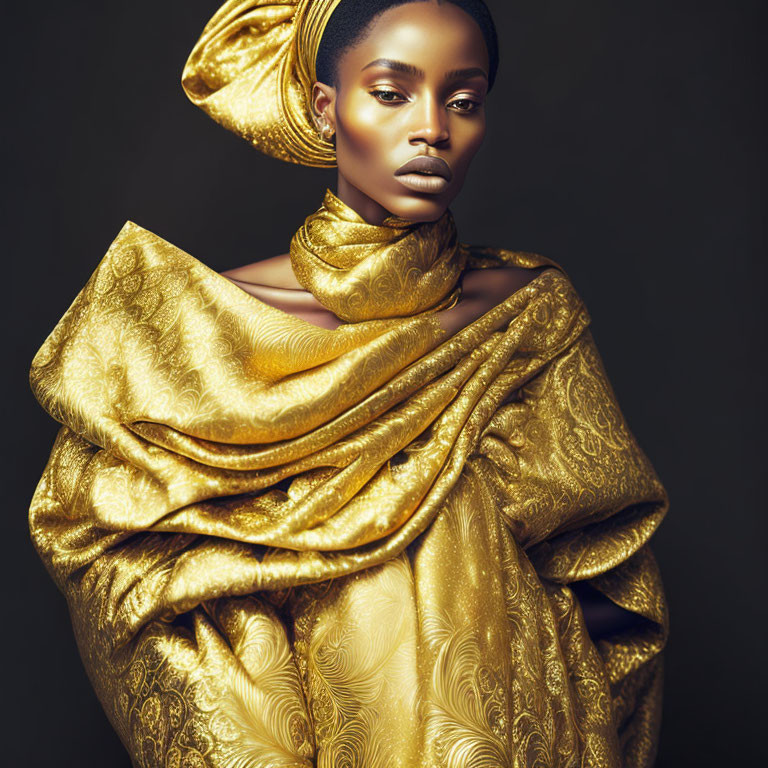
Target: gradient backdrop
[[625, 141]]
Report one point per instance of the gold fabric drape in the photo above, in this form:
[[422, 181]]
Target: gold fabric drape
[[350, 265], [252, 70], [288, 546]]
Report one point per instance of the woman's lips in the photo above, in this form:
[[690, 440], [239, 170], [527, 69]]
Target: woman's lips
[[421, 182], [424, 174]]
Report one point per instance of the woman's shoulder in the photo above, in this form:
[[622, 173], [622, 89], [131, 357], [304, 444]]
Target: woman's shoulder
[[505, 269], [498, 282], [273, 282], [486, 257], [274, 272]]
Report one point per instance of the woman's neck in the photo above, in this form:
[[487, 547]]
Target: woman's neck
[[359, 202]]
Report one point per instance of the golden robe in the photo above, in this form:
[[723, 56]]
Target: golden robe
[[287, 546]]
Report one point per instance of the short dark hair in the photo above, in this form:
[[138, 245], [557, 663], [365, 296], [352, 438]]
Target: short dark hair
[[351, 19]]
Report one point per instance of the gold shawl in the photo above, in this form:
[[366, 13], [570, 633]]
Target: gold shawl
[[288, 546]]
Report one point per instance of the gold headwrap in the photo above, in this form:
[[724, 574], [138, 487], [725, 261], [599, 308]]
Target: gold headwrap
[[252, 70]]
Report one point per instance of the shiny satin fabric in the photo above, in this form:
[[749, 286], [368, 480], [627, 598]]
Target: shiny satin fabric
[[289, 546], [349, 264], [252, 70]]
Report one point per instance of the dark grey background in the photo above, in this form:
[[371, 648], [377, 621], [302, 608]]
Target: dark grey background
[[625, 142]]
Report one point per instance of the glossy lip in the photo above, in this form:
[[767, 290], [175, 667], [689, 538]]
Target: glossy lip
[[421, 182], [426, 164]]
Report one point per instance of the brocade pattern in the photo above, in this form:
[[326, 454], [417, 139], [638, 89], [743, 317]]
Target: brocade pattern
[[287, 546]]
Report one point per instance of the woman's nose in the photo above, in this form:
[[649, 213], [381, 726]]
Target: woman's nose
[[430, 123]]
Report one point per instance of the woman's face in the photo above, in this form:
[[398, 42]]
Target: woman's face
[[414, 87]]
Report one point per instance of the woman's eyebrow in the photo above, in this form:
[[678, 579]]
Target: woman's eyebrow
[[410, 69]]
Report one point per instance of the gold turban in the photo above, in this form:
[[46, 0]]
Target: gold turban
[[252, 70]]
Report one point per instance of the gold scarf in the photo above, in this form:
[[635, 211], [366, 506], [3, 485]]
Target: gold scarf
[[361, 271], [284, 545]]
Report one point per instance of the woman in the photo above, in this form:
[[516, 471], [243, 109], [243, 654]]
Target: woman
[[371, 502]]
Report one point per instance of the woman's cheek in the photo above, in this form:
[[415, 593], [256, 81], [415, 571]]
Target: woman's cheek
[[360, 148], [472, 135], [471, 140], [358, 117]]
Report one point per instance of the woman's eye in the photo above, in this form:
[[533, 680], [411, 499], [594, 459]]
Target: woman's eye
[[388, 97], [394, 97], [466, 105]]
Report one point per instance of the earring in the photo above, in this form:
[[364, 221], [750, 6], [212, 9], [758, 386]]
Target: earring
[[325, 129]]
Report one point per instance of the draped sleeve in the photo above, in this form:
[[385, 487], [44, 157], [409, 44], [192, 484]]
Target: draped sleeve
[[582, 499], [232, 490]]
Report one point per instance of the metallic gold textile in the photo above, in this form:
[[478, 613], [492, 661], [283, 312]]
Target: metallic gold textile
[[288, 546], [349, 264], [252, 70]]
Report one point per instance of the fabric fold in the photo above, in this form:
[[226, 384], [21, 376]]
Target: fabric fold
[[362, 271], [283, 545], [252, 71]]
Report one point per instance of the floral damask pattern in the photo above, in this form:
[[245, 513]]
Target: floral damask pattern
[[286, 546]]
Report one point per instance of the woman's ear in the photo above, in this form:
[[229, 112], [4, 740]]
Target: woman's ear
[[324, 108]]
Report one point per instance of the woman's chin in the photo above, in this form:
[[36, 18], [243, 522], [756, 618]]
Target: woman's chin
[[418, 207]]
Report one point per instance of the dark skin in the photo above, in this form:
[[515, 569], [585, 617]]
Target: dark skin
[[383, 114], [415, 85]]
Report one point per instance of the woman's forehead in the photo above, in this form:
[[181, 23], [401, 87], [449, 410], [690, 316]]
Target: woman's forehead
[[420, 38]]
